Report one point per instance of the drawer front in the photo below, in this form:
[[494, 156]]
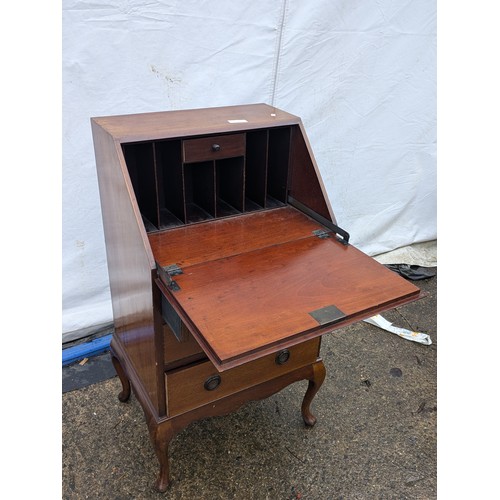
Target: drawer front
[[199, 384], [213, 148]]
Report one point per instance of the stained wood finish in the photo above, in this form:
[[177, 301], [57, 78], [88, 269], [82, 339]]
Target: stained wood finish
[[252, 283], [185, 386], [124, 395], [162, 429], [180, 353], [214, 147], [278, 162], [265, 296], [256, 167], [187, 123], [223, 175], [186, 246], [141, 168], [127, 247], [315, 382], [305, 182], [169, 178]]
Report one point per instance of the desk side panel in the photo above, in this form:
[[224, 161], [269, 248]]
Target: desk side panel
[[130, 263], [306, 185]]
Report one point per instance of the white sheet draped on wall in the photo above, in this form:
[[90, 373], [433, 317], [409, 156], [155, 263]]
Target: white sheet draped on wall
[[361, 75]]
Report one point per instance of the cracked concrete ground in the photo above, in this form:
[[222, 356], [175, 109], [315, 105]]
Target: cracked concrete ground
[[375, 437]]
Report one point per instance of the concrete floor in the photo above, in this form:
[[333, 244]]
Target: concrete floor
[[375, 437]]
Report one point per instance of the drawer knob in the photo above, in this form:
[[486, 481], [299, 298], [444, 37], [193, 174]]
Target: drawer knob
[[215, 147], [282, 357], [212, 382]]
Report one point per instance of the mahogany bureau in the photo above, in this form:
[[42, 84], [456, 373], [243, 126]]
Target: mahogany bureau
[[226, 264]]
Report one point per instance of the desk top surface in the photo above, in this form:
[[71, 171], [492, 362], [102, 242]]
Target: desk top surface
[[184, 123]]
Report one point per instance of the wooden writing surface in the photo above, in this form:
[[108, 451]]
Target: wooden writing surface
[[264, 280], [190, 245]]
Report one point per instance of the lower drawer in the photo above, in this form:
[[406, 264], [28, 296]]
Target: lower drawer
[[198, 384]]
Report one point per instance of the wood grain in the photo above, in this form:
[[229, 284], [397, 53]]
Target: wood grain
[[187, 123], [305, 181], [127, 248], [202, 149], [249, 281], [189, 245], [163, 429], [179, 353], [185, 387], [247, 302]]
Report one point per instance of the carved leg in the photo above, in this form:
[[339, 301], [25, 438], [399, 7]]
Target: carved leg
[[160, 437], [318, 376], [125, 393]]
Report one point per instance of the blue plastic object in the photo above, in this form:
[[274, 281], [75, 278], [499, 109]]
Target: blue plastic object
[[86, 350]]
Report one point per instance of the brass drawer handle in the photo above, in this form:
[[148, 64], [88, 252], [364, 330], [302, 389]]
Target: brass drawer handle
[[282, 357], [216, 147], [212, 382]]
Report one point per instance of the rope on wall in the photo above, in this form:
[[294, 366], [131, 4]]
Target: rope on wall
[[277, 52]]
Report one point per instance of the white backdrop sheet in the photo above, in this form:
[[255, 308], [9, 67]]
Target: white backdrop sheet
[[361, 75]]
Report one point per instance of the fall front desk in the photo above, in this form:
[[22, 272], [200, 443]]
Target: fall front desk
[[225, 260]]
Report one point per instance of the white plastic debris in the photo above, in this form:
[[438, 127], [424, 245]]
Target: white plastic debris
[[381, 322]]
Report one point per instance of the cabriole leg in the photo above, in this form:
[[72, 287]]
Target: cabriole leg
[[318, 376], [161, 436], [125, 393]]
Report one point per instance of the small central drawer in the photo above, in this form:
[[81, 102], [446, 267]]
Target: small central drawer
[[198, 384], [213, 148]]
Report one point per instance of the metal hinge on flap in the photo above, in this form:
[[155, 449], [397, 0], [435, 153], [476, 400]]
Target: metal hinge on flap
[[321, 233], [332, 229], [166, 273], [343, 236]]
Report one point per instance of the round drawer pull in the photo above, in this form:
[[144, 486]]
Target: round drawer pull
[[215, 147], [212, 382], [282, 357]]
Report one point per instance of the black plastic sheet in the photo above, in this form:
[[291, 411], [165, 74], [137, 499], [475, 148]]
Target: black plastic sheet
[[413, 272]]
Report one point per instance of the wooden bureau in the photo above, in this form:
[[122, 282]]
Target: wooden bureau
[[225, 261]]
